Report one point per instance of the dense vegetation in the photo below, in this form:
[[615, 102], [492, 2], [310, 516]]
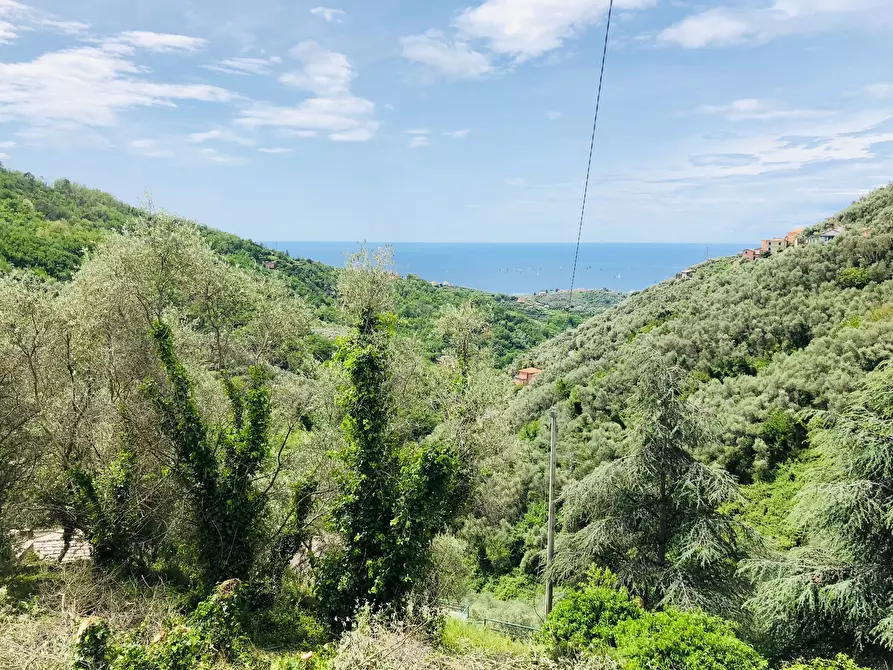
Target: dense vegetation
[[258, 496], [47, 229], [583, 302], [771, 355]]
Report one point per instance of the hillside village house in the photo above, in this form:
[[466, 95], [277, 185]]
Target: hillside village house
[[792, 237], [824, 238], [774, 245], [527, 375]]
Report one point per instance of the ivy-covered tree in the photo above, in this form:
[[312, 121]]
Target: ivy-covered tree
[[219, 466], [393, 497], [106, 508], [655, 516], [838, 587]]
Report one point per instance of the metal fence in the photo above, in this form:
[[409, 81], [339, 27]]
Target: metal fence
[[507, 627], [463, 611]]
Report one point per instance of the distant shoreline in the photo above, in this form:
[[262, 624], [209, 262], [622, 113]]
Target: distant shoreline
[[524, 268]]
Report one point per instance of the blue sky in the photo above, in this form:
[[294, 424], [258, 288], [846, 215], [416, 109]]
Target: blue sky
[[436, 120]]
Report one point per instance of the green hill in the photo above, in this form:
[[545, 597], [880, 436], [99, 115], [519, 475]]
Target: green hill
[[766, 344], [47, 228]]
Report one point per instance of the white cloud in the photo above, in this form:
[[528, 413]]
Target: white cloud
[[713, 27], [87, 86], [879, 91], [28, 18], [329, 14], [15, 9], [3, 156], [323, 72], [334, 109], [244, 66], [160, 42], [419, 141], [355, 135], [458, 134], [150, 149], [219, 135], [451, 59], [64, 27], [7, 32], [339, 115], [303, 134], [554, 116], [529, 28], [845, 140], [514, 29], [419, 137], [515, 181], [746, 23], [7, 144], [215, 156], [275, 150], [752, 109]]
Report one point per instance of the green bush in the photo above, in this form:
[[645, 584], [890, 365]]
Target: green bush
[[840, 662], [854, 277], [289, 621], [516, 585], [213, 631], [586, 620], [91, 645], [673, 640]]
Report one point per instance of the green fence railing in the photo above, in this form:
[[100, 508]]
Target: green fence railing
[[507, 627], [463, 611]]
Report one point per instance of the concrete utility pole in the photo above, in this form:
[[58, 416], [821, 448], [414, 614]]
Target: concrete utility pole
[[550, 542]]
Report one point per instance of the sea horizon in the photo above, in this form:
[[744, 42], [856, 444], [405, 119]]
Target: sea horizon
[[528, 267]]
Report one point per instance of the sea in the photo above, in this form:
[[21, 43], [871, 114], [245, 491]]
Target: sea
[[528, 267]]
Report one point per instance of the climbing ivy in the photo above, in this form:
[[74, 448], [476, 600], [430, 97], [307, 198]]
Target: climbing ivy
[[217, 466], [393, 497]]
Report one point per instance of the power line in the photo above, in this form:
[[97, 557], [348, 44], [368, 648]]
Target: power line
[[598, 100]]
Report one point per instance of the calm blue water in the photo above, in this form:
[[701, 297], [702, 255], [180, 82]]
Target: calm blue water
[[526, 268]]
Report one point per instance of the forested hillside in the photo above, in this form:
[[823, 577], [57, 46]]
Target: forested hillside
[[253, 493], [766, 344], [47, 228], [771, 360]]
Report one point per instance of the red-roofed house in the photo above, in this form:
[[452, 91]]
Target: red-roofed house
[[525, 376], [791, 237]]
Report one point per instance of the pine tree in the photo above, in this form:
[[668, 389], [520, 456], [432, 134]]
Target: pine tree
[[839, 584], [654, 517]]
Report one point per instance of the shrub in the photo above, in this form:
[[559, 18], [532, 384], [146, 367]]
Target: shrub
[[91, 645], [683, 641], [854, 277], [586, 620], [212, 631], [839, 662], [450, 574]]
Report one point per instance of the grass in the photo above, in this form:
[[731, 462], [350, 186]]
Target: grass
[[462, 637], [39, 614], [523, 611]]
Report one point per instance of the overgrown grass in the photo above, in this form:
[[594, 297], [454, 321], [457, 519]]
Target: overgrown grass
[[461, 637], [523, 611], [38, 623], [44, 606]]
